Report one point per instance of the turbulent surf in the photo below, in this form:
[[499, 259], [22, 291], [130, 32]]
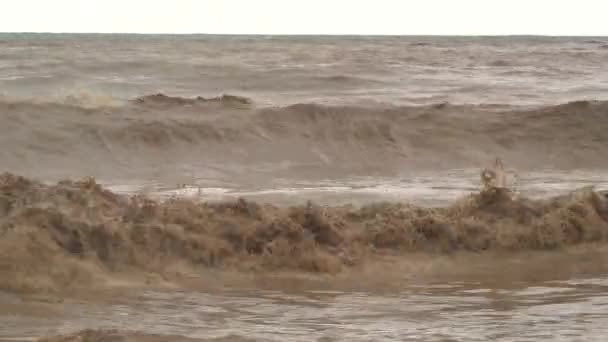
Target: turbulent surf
[[327, 185], [59, 236]]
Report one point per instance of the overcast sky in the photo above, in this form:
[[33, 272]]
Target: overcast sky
[[463, 17]]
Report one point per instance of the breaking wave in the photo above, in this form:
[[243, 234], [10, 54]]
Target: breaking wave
[[566, 135], [55, 237]]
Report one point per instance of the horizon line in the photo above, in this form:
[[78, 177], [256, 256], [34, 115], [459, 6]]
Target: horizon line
[[304, 34]]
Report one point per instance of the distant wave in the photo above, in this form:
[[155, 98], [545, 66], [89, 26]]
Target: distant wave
[[346, 79], [500, 63], [594, 41], [92, 100], [176, 100], [420, 44]]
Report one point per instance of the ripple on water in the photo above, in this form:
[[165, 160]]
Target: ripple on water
[[549, 311]]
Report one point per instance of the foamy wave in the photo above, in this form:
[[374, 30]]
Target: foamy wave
[[56, 236]]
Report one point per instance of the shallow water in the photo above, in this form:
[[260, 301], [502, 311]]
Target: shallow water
[[550, 310]]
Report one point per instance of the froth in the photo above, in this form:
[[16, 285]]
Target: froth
[[72, 233]]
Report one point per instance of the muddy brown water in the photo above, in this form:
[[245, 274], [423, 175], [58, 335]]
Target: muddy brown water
[[511, 301], [335, 120], [533, 296]]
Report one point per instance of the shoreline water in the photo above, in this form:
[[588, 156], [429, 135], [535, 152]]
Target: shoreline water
[[516, 282], [78, 231]]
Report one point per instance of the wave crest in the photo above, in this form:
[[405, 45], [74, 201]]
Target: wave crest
[[48, 233], [456, 135], [163, 99]]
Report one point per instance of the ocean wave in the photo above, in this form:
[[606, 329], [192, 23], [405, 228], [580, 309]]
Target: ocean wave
[[594, 41], [90, 335], [58, 236], [500, 63], [347, 79], [163, 99], [95, 100], [571, 134], [422, 44]]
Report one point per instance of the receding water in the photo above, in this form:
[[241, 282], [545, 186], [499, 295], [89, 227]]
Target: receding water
[[568, 310]]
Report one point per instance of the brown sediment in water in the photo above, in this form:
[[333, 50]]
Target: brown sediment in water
[[88, 335], [75, 233], [93, 335]]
